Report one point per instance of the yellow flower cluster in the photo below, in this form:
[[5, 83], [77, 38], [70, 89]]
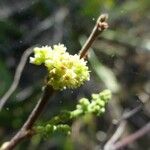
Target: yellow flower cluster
[[64, 70]]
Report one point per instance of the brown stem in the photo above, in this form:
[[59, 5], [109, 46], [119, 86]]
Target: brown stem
[[48, 92], [133, 137], [26, 130], [100, 26], [121, 127]]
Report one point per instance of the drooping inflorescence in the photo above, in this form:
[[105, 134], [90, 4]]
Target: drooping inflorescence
[[64, 70]]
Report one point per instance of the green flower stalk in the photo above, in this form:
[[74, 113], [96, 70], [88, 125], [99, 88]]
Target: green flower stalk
[[64, 70], [95, 106], [58, 124], [49, 129]]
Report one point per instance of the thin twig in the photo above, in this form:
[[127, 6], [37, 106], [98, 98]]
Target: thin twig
[[133, 137], [116, 136], [129, 114], [100, 26], [121, 127], [17, 76], [26, 130]]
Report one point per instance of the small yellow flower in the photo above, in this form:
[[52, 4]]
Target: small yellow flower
[[40, 55]]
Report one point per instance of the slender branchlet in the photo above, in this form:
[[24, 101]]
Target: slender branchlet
[[99, 27]]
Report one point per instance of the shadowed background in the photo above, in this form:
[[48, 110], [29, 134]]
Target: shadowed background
[[119, 60]]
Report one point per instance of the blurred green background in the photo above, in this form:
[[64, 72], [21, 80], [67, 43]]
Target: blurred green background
[[119, 60]]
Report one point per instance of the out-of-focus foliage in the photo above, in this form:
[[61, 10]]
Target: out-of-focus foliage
[[121, 59]]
